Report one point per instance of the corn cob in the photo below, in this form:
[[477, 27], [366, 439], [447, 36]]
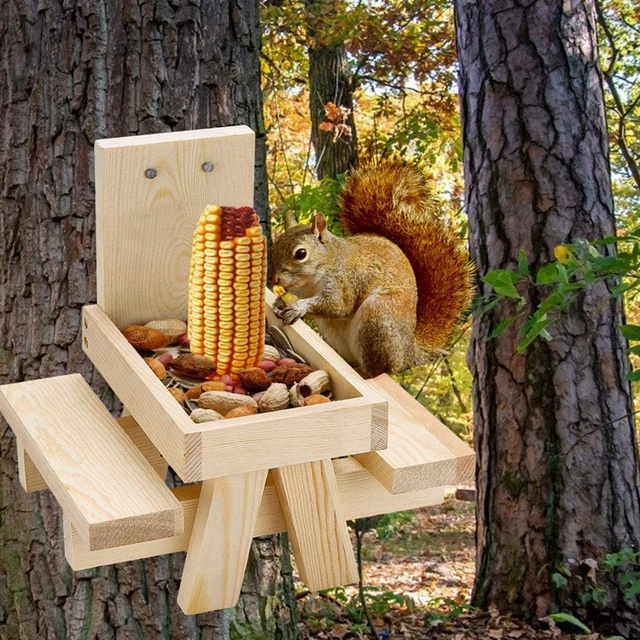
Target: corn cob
[[227, 280]]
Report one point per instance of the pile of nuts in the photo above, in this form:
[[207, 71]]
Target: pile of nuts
[[277, 383]]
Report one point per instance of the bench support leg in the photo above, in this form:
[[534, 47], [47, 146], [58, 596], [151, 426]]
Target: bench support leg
[[317, 528]]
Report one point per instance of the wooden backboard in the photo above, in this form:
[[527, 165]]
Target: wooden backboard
[[144, 224]]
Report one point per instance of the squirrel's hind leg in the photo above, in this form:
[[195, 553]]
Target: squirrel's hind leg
[[386, 342]]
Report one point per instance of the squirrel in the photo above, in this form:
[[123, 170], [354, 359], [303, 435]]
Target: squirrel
[[387, 296]]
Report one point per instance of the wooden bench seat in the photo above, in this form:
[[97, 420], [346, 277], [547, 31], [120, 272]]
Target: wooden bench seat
[[422, 452], [103, 482]]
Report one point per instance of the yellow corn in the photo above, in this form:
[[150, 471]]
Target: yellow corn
[[227, 280]]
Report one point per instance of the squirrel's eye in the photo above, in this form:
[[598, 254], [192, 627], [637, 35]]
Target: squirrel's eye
[[300, 254]]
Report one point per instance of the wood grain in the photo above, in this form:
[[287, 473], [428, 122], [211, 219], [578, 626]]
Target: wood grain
[[144, 226], [220, 541], [153, 407], [102, 481], [422, 451], [269, 440], [345, 382], [316, 524], [361, 494], [352, 424], [32, 480]]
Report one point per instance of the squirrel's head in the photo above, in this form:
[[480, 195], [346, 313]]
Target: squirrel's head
[[299, 254]]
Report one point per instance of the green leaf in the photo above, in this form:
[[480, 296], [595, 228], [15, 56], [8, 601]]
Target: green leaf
[[569, 619], [532, 334], [502, 327], [562, 273], [507, 289], [503, 282], [523, 264], [607, 240], [498, 276], [630, 331], [545, 335], [634, 376], [623, 287], [547, 274], [559, 580], [491, 304]]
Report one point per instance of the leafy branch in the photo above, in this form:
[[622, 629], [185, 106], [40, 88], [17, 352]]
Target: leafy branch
[[576, 267]]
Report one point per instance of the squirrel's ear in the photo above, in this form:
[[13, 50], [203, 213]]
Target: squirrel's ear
[[319, 227], [290, 220]]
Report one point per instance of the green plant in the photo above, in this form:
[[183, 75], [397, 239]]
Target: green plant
[[569, 619], [393, 524], [444, 610], [576, 267], [313, 198], [626, 561]]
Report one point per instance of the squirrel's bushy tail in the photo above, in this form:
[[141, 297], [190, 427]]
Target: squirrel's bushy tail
[[394, 201]]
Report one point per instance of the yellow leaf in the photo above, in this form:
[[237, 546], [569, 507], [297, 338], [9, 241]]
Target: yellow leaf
[[562, 254]]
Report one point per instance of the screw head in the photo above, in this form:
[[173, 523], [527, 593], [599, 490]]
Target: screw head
[[151, 173], [207, 167]]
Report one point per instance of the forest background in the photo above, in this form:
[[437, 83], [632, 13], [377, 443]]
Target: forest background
[[396, 98]]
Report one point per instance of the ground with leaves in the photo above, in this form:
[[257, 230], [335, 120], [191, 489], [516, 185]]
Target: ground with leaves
[[418, 572]]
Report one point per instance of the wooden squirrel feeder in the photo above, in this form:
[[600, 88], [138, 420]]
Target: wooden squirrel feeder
[[305, 470]]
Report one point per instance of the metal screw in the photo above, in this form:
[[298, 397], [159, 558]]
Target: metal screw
[[207, 167], [151, 173]]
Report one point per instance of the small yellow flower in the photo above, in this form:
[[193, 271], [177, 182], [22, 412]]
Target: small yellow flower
[[562, 254]]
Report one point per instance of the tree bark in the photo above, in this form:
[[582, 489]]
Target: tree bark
[[73, 72], [557, 453], [330, 80]]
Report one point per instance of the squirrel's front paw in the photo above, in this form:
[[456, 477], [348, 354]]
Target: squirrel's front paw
[[290, 314]]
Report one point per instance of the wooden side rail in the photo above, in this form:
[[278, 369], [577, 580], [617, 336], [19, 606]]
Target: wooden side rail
[[106, 487], [422, 452], [360, 493]]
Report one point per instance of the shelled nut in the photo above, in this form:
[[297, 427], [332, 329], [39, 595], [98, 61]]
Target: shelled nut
[[157, 367], [174, 329], [291, 372], [205, 415], [238, 412], [195, 392], [316, 398], [254, 379], [295, 398], [178, 394], [270, 353], [193, 366], [223, 401], [145, 338], [316, 382], [275, 398]]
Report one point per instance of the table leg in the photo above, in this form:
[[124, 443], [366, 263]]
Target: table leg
[[220, 542], [317, 528]]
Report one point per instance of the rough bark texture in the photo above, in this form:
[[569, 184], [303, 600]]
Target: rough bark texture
[[73, 72], [330, 80], [557, 455]]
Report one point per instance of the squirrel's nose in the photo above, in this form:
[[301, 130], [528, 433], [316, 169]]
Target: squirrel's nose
[[273, 279]]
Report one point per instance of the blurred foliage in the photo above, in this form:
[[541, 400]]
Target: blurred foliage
[[402, 57], [619, 36], [394, 524]]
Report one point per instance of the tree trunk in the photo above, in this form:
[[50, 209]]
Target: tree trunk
[[330, 80], [73, 72], [557, 452]]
